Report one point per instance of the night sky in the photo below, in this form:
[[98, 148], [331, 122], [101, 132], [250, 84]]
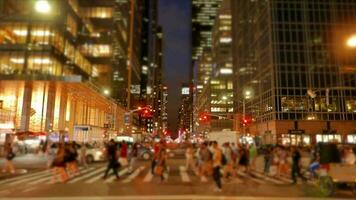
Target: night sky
[[174, 16]]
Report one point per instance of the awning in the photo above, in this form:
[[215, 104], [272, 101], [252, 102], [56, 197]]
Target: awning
[[27, 134]]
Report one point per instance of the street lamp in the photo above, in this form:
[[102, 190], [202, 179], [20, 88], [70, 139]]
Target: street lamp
[[351, 41], [43, 6], [106, 92]]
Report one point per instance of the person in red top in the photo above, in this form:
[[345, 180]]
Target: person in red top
[[156, 150], [123, 150]]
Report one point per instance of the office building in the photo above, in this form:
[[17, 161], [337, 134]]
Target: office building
[[295, 60]]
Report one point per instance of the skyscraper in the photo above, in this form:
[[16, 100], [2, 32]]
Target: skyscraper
[[203, 15], [292, 59]]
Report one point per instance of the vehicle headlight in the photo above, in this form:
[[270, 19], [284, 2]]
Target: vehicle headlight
[[99, 153]]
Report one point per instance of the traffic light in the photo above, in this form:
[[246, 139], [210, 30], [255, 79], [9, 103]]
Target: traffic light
[[204, 117], [245, 121]]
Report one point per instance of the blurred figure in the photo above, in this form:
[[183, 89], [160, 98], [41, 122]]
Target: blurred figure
[[267, 160], [112, 159], [189, 158], [217, 157], [296, 157], [9, 155], [133, 156], [71, 155], [82, 155], [252, 156], [244, 159], [229, 167], [205, 162], [161, 164], [58, 165], [349, 157], [283, 163], [123, 159], [156, 150]]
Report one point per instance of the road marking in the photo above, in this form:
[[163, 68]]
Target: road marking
[[80, 177], [243, 174], [134, 175], [184, 175], [24, 176], [276, 181], [49, 178], [121, 173], [29, 179], [148, 177]]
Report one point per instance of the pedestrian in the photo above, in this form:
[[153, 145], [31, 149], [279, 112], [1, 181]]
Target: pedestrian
[[82, 155], [10, 155], [58, 165], [123, 160], [71, 155], [267, 161], [252, 156], [283, 163], [217, 157], [244, 159], [229, 166], [133, 156], [161, 167], [156, 150], [205, 162], [112, 155], [189, 158], [296, 157]]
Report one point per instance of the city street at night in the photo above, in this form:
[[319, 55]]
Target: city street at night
[[177, 99]]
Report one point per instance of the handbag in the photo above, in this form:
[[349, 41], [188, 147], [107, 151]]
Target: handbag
[[159, 170], [123, 162], [10, 156]]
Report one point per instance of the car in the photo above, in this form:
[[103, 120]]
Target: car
[[145, 153], [94, 154]]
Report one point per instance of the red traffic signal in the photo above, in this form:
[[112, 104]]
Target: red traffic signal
[[204, 117]]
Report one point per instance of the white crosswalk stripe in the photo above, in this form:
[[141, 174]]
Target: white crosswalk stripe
[[244, 175], [48, 178], [134, 175], [270, 179], [29, 179], [184, 175], [148, 177], [96, 171], [23, 176], [121, 173]]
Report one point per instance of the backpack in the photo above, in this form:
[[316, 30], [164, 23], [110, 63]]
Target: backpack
[[223, 159]]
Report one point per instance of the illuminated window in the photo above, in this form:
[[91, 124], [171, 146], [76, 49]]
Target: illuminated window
[[225, 71], [230, 85], [71, 25], [225, 28], [96, 50], [98, 12], [225, 40]]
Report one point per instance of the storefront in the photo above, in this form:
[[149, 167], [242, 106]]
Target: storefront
[[296, 138], [351, 138], [329, 137], [86, 133]]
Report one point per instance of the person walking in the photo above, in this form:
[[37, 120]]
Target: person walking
[[189, 158], [133, 157], [156, 150], [205, 158], [267, 161], [296, 157], [59, 165], [10, 155], [229, 167], [161, 164], [252, 156], [82, 155], [217, 157], [112, 155], [123, 160]]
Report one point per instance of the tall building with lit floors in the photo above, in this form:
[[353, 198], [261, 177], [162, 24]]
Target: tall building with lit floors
[[295, 61], [55, 71]]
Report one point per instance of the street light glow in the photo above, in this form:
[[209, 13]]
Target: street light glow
[[42, 6], [106, 92], [351, 42]]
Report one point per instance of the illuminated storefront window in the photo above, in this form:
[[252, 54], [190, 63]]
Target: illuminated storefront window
[[351, 139], [296, 139], [326, 138], [72, 25]]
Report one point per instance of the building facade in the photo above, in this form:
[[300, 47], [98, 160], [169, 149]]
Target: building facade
[[293, 59], [55, 68]]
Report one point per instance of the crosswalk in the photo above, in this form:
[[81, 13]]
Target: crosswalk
[[94, 174]]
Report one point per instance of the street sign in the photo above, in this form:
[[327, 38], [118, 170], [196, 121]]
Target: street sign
[[127, 118]]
